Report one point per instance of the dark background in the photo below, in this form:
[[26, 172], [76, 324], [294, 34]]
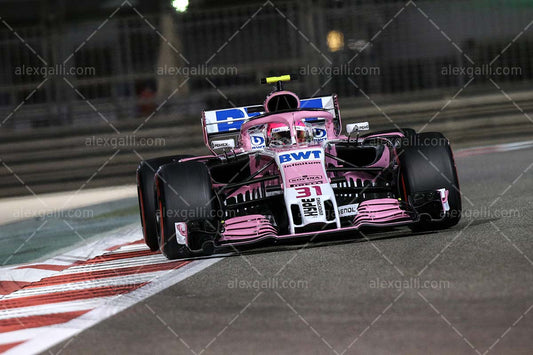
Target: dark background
[[421, 54]]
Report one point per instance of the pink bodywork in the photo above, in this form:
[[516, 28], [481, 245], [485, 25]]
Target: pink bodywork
[[287, 118], [247, 228], [312, 174], [252, 228], [372, 213], [380, 211], [377, 212], [280, 93]]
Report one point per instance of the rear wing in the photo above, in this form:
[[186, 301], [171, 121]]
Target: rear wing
[[225, 124]]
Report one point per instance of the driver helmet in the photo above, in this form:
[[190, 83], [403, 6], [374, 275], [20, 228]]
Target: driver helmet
[[302, 133], [279, 133]]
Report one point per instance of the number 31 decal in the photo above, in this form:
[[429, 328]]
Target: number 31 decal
[[305, 191]]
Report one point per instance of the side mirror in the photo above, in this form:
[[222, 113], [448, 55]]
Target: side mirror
[[223, 144], [360, 126]]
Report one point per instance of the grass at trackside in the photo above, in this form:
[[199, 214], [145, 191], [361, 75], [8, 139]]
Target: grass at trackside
[[33, 238]]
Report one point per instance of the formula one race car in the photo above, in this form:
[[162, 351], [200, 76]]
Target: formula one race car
[[284, 170]]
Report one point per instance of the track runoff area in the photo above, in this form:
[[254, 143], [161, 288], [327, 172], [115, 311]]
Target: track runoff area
[[45, 303]]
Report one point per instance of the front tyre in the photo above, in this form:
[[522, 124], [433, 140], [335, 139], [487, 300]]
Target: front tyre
[[187, 211], [426, 165], [145, 194]]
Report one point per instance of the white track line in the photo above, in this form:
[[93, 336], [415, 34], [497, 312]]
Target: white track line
[[60, 307], [85, 285], [46, 337], [116, 264], [40, 338], [25, 275]]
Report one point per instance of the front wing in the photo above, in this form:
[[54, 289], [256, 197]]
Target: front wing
[[386, 212]]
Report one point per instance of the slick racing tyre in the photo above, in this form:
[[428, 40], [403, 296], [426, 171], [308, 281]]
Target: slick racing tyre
[[426, 165], [187, 211], [145, 194]]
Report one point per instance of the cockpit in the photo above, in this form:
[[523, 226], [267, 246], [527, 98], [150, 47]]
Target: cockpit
[[307, 131]]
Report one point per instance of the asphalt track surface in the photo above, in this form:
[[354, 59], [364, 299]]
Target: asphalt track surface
[[358, 296]]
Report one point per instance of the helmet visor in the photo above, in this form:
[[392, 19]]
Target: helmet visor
[[280, 135]]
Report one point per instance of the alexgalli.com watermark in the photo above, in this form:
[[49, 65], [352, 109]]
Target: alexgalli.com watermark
[[480, 70], [198, 212], [417, 140], [126, 141], [199, 70], [271, 283], [55, 70], [340, 70], [410, 283], [484, 212], [46, 214]]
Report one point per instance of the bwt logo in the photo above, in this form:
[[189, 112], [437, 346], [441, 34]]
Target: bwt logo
[[258, 140], [319, 133], [305, 155]]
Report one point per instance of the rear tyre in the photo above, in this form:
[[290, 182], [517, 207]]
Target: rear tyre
[[145, 194], [185, 194], [427, 164]]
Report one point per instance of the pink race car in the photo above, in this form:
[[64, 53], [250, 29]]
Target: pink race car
[[285, 170]]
